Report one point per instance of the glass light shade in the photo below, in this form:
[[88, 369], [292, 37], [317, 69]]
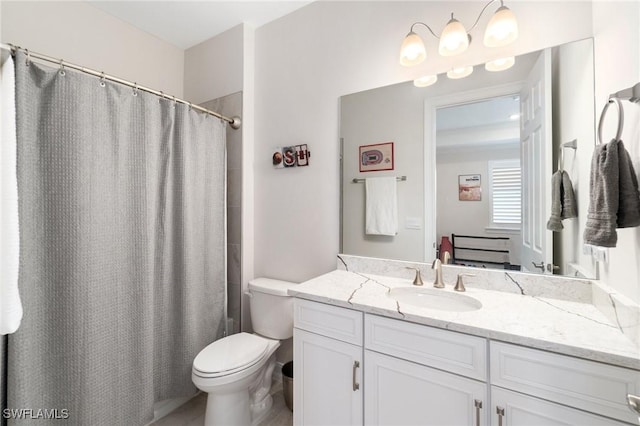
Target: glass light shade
[[502, 29], [425, 81], [459, 72], [412, 51], [500, 64], [454, 39]]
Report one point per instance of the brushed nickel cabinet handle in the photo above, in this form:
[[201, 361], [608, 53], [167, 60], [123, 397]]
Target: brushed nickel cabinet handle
[[478, 404], [634, 403], [356, 385], [500, 412]]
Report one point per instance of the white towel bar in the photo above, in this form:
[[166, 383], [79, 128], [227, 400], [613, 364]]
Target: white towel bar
[[398, 178]]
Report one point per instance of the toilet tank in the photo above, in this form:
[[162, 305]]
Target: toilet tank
[[271, 308]]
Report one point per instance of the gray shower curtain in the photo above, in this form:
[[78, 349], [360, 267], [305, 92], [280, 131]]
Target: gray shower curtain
[[122, 233]]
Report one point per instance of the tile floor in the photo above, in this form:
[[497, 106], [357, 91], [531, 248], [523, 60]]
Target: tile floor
[[191, 413]]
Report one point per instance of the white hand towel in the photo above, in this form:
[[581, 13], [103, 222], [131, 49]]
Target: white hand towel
[[10, 305], [381, 206]]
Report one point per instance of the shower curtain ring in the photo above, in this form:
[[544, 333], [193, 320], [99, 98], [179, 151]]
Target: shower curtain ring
[[62, 72], [135, 89], [28, 62], [102, 79], [174, 101]]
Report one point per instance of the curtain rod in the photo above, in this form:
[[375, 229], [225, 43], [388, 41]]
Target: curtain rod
[[234, 122]]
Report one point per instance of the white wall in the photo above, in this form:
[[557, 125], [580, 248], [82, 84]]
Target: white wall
[[82, 34], [214, 68], [305, 61], [248, 203], [617, 57]]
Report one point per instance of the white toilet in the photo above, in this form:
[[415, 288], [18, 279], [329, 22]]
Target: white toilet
[[236, 370]]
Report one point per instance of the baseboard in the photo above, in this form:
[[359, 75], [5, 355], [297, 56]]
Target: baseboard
[[162, 408]]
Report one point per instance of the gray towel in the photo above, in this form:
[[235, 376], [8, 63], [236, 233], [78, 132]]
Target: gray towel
[[555, 221], [629, 202], [600, 229], [563, 201], [569, 205]]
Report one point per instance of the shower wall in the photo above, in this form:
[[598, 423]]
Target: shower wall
[[231, 105]]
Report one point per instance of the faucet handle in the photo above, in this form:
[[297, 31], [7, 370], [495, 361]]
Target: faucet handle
[[460, 283], [437, 265], [418, 279]]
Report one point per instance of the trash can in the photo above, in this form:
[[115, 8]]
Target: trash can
[[287, 384]]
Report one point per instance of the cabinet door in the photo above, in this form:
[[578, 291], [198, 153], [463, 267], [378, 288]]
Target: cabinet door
[[327, 377], [515, 409], [399, 392]]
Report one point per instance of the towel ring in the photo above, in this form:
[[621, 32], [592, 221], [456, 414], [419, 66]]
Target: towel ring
[[620, 118]]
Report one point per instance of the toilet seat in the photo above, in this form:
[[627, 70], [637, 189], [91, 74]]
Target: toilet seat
[[230, 355]]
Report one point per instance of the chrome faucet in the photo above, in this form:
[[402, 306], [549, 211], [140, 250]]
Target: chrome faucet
[[446, 258], [437, 265]]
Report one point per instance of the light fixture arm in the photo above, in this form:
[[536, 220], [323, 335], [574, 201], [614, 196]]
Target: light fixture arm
[[475, 24], [428, 27]]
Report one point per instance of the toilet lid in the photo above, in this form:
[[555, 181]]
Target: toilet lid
[[269, 286], [231, 353]]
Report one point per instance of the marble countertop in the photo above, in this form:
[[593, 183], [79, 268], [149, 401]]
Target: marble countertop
[[561, 326]]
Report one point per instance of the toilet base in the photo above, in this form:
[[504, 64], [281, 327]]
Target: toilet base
[[235, 409], [228, 409], [242, 403]]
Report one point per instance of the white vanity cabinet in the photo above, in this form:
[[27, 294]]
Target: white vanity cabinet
[[352, 368], [327, 347], [401, 385]]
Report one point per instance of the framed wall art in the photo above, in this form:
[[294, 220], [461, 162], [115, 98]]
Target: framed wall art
[[376, 157], [469, 188]]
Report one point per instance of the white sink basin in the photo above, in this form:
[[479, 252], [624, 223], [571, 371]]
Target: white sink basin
[[433, 298]]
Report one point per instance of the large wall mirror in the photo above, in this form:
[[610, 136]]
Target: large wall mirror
[[473, 160]]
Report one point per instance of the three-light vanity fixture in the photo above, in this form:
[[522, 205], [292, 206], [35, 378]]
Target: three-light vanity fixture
[[501, 30]]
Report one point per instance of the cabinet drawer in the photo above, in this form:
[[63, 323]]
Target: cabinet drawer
[[518, 409], [442, 349], [331, 321], [587, 385]]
